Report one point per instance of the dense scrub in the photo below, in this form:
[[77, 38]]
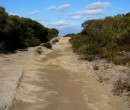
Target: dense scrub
[[69, 35], [104, 38], [18, 32]]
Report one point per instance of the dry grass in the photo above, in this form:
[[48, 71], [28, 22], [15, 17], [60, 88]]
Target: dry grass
[[121, 61], [121, 85]]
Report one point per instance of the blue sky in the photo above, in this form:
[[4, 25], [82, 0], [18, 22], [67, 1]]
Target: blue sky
[[65, 15]]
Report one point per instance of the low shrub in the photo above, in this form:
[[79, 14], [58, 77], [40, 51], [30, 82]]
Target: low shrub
[[121, 61], [55, 41], [96, 67], [47, 45]]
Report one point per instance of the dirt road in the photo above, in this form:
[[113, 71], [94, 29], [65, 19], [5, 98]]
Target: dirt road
[[51, 83]]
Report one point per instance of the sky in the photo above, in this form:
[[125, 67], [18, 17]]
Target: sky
[[65, 15]]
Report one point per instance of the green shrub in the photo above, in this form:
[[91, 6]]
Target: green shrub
[[111, 55], [90, 49], [78, 41], [55, 41], [47, 45]]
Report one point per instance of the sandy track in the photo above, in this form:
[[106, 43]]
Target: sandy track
[[12, 67], [57, 80]]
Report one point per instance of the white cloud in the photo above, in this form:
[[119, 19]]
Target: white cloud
[[96, 8], [77, 17], [65, 27], [59, 8], [52, 8], [62, 7], [59, 23], [98, 5], [87, 12], [33, 13]]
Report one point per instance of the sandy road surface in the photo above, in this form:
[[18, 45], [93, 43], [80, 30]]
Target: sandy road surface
[[51, 82]]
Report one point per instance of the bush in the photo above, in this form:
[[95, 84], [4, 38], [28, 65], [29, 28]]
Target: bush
[[90, 49], [55, 41], [47, 45], [120, 86]]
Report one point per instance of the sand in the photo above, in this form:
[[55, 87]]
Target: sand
[[58, 80]]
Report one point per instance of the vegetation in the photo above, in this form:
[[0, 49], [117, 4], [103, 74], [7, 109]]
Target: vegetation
[[55, 41], [121, 61], [120, 86], [104, 38], [18, 32], [70, 35], [47, 45]]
